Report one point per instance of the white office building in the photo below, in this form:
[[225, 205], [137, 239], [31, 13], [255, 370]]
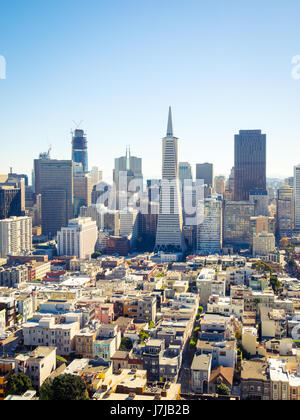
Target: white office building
[[15, 235], [263, 244], [79, 238], [209, 232]]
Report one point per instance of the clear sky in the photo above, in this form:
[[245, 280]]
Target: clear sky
[[118, 64]]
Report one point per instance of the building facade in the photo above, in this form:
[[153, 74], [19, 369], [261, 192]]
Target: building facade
[[250, 163]]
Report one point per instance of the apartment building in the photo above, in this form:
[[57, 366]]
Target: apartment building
[[15, 235], [200, 372], [13, 276], [47, 333], [38, 365]]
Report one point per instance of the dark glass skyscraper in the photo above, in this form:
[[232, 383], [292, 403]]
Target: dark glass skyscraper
[[54, 181], [79, 149], [205, 171], [10, 202], [250, 163]]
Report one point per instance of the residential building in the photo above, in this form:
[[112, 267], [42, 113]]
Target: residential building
[[200, 372], [15, 235], [210, 231], [47, 333]]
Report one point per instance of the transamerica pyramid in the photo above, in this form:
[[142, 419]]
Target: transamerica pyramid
[[169, 236]]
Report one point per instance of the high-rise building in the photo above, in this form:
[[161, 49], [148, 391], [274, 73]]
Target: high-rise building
[[209, 232], [220, 185], [83, 188], [237, 216], [10, 202], [153, 190], [127, 171], [285, 211], [260, 199], [297, 197], [250, 163], [260, 224], [78, 238], [129, 224], [107, 220], [185, 172], [186, 186], [229, 191], [79, 150], [15, 235], [290, 181], [54, 181], [18, 182], [205, 171], [263, 244], [169, 234]]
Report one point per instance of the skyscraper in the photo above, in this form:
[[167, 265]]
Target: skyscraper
[[79, 150], [209, 232], [127, 169], [54, 181], [236, 229], [250, 163], [169, 234], [10, 202], [186, 185], [297, 196], [285, 211], [185, 171], [15, 235], [260, 199], [205, 171]]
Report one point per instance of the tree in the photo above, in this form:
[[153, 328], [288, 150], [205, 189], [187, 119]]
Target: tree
[[60, 360], [46, 391], [151, 325], [18, 384], [223, 389], [143, 336], [126, 344], [64, 388], [200, 310]]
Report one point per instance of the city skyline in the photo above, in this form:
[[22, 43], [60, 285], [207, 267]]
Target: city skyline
[[226, 80]]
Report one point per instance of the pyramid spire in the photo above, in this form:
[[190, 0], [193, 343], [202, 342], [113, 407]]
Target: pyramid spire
[[170, 124]]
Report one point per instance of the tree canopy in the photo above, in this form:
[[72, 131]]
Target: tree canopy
[[18, 384], [64, 388]]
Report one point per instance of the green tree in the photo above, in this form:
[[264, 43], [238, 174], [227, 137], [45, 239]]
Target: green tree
[[151, 325], [60, 360], [223, 389], [143, 336], [46, 391], [200, 310], [64, 388], [126, 344], [18, 384]]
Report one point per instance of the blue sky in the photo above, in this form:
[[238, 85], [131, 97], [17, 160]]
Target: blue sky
[[118, 64]]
